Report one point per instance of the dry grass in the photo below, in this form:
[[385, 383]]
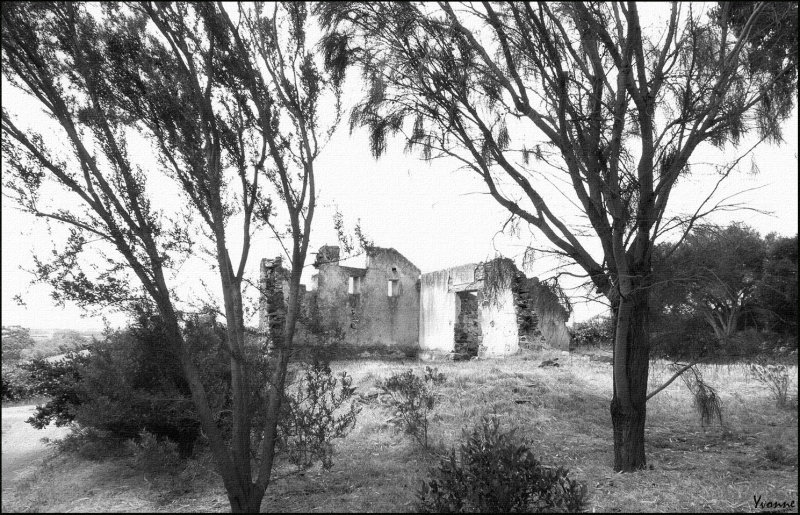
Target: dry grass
[[563, 411]]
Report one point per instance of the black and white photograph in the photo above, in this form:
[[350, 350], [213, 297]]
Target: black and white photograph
[[426, 257]]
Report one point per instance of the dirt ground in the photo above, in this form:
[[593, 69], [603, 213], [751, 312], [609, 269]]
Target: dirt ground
[[23, 448]]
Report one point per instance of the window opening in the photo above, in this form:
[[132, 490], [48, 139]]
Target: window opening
[[354, 286], [393, 287]]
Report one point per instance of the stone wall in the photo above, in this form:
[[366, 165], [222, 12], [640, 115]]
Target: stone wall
[[369, 317], [430, 312], [437, 313], [499, 326], [551, 315], [272, 306], [523, 314]]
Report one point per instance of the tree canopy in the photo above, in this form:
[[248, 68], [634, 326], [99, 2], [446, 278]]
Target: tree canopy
[[715, 273], [236, 106], [576, 99]]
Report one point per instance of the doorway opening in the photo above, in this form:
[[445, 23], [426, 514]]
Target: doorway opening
[[467, 330]]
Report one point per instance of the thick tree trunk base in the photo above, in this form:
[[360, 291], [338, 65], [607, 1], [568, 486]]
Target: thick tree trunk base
[[628, 439], [246, 503]]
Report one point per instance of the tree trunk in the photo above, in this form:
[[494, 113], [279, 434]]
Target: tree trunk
[[631, 367], [246, 501]]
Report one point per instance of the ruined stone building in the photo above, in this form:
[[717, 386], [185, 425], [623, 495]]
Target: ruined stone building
[[487, 309], [484, 309], [377, 305]]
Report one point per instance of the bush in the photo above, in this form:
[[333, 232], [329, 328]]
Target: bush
[[681, 337], [310, 420], [496, 473], [152, 453], [130, 382], [595, 332], [16, 384], [413, 397], [60, 381], [131, 385], [90, 444], [774, 377]]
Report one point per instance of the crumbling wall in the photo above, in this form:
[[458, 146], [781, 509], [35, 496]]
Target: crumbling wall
[[437, 313], [514, 311], [383, 319], [530, 335], [272, 306], [499, 326], [369, 317], [551, 315], [332, 298]]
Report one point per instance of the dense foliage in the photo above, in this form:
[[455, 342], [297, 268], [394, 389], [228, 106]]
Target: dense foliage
[[725, 291], [495, 473], [596, 332], [15, 341], [16, 385], [130, 383], [774, 305]]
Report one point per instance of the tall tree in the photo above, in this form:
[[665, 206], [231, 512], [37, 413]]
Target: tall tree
[[715, 273], [774, 302], [232, 111], [575, 94]]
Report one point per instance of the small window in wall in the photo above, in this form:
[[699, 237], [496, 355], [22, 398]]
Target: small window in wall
[[394, 287], [354, 286], [394, 269]]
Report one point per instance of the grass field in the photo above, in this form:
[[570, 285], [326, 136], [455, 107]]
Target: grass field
[[563, 412]]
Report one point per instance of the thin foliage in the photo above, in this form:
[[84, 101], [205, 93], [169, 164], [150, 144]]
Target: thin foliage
[[414, 398], [705, 397]]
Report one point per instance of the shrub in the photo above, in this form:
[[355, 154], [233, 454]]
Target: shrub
[[494, 472], [413, 397], [90, 444], [129, 382], [597, 331], [152, 453], [16, 384], [312, 415], [774, 377], [681, 336], [749, 343], [778, 455], [60, 381]]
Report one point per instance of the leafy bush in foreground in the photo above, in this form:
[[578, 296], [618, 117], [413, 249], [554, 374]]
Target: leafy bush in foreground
[[130, 382], [495, 473], [413, 397], [314, 413]]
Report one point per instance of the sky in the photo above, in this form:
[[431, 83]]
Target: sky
[[434, 215]]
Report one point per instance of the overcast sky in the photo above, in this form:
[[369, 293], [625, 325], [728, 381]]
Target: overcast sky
[[434, 215]]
